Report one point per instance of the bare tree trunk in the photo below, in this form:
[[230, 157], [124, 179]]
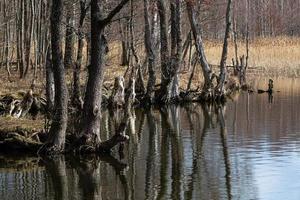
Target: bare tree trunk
[[150, 54], [76, 98], [140, 88], [89, 140], [50, 88], [22, 38], [176, 52], [163, 95], [207, 90], [192, 75], [6, 38], [236, 63], [70, 36], [93, 95], [29, 30], [220, 90], [247, 34], [125, 46], [57, 133]]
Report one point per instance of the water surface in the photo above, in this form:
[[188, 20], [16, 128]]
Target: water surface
[[247, 149]]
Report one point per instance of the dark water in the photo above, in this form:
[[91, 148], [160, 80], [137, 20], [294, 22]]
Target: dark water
[[249, 149]]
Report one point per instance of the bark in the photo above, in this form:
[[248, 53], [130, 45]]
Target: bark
[[50, 88], [247, 35], [89, 140], [242, 71], [7, 39], [192, 75], [187, 49], [22, 38], [169, 62], [76, 98], [57, 132], [140, 88], [150, 54], [70, 36], [207, 90], [178, 44], [93, 94], [236, 65], [163, 95], [125, 46], [28, 30], [220, 89]]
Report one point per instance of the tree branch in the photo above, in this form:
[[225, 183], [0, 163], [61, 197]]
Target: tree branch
[[115, 11]]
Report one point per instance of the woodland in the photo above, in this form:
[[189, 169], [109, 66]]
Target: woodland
[[75, 58]]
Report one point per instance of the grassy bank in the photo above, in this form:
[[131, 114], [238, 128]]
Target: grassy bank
[[273, 56], [278, 56]]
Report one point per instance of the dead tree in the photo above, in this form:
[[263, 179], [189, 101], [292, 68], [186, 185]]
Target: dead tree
[[220, 89], [57, 133], [207, 90]]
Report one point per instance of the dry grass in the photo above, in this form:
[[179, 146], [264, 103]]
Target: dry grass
[[10, 124], [280, 55]]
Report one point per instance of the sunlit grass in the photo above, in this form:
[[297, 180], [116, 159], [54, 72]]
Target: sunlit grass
[[278, 55]]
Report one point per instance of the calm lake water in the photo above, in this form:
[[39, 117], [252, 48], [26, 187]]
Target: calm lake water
[[248, 149]]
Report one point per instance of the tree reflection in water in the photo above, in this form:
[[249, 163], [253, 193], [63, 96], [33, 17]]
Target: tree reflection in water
[[169, 156]]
